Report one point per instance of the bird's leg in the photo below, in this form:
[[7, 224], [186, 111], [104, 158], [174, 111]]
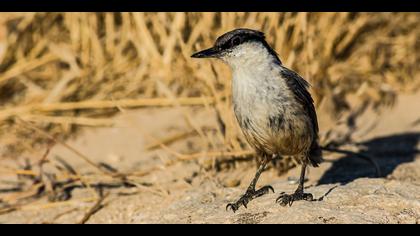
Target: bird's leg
[[251, 193], [288, 199]]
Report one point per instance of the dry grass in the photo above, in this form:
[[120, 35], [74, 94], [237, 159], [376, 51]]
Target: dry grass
[[62, 70]]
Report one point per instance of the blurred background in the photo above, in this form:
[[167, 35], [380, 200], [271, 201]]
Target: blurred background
[[93, 97]]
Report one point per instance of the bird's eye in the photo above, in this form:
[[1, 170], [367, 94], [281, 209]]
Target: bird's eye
[[235, 41]]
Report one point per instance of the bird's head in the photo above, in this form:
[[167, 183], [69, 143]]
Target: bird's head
[[240, 46]]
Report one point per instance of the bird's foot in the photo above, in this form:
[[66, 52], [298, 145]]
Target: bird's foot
[[288, 199], [249, 196]]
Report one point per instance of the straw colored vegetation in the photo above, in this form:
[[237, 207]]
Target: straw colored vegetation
[[60, 71]]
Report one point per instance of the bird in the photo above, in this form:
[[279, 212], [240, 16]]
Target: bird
[[273, 107]]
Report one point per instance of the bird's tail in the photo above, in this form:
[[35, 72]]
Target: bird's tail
[[315, 154]]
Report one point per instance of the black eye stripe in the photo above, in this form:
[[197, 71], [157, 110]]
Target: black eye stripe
[[232, 42], [244, 35], [224, 43], [235, 41]]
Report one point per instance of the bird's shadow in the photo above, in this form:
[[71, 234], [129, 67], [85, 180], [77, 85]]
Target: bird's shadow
[[389, 152]]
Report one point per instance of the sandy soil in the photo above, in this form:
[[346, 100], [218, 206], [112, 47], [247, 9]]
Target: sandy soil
[[188, 193]]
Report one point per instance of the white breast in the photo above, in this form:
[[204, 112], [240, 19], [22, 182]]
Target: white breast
[[259, 92]]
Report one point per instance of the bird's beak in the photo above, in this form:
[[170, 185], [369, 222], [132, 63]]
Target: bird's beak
[[208, 53]]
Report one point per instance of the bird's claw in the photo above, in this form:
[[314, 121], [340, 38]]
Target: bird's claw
[[247, 197], [288, 199], [268, 187]]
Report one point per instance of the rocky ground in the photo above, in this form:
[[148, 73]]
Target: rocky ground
[[345, 187]]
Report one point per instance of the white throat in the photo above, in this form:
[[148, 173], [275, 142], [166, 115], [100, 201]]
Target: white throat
[[254, 72], [249, 56]]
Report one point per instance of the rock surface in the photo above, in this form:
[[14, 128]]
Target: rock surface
[[187, 193], [362, 201]]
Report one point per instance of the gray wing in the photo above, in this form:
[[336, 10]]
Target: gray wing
[[300, 87]]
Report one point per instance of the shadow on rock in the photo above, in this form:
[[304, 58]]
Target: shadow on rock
[[389, 152]]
